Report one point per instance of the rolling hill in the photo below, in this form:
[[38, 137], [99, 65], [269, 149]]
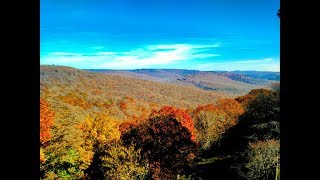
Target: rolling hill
[[140, 91], [66, 87], [233, 83]]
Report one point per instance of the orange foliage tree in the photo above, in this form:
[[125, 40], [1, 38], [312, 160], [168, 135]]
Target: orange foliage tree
[[181, 115], [233, 109], [46, 121], [209, 107]]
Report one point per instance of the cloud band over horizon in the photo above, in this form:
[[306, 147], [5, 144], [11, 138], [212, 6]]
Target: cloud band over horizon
[[153, 56], [147, 56]]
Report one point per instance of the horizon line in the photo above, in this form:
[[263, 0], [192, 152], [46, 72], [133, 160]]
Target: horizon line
[[156, 69]]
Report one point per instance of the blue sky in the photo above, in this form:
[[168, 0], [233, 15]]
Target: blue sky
[[181, 34]]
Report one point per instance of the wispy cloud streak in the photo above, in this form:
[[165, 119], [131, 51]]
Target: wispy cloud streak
[[147, 56]]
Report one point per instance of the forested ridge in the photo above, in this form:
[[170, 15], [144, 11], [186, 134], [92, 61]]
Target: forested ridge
[[233, 83], [102, 126]]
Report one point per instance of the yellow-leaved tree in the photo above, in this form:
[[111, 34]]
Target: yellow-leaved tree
[[66, 155], [111, 160], [100, 130]]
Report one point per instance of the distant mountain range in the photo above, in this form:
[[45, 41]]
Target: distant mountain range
[[230, 82]]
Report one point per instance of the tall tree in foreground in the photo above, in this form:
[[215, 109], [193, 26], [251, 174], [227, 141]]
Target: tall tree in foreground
[[260, 121], [211, 121], [111, 160], [165, 143], [263, 116]]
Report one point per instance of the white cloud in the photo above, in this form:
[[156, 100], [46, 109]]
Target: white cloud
[[151, 55], [266, 64], [182, 46]]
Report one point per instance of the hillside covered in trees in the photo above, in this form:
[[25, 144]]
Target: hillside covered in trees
[[106, 126], [233, 83]]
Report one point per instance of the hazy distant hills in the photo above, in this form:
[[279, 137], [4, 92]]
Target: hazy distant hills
[[260, 74], [233, 83]]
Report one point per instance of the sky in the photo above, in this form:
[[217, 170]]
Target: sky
[[203, 35]]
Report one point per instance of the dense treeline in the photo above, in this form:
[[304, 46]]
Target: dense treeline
[[251, 148], [230, 139], [88, 133]]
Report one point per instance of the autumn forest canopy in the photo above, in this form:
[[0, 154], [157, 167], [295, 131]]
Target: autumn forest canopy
[[160, 90], [167, 124]]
